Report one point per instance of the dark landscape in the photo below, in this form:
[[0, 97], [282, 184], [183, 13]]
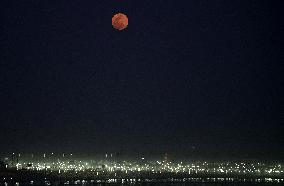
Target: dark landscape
[[150, 92]]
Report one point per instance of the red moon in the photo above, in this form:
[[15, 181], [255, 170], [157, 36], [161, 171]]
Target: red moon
[[119, 21]]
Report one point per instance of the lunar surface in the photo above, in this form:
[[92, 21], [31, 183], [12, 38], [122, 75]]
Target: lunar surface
[[119, 21]]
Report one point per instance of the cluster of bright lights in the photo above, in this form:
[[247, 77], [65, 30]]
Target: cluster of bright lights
[[156, 167], [129, 171]]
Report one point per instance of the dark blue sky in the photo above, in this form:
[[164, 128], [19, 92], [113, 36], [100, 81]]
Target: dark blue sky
[[191, 78]]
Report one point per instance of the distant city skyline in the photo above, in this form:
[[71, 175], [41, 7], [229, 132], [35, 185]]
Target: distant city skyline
[[194, 79]]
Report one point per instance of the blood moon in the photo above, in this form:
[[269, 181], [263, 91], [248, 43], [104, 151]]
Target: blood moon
[[119, 21]]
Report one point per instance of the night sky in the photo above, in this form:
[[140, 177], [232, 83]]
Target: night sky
[[195, 79]]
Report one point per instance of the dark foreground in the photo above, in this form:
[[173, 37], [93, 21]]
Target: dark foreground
[[148, 184]]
